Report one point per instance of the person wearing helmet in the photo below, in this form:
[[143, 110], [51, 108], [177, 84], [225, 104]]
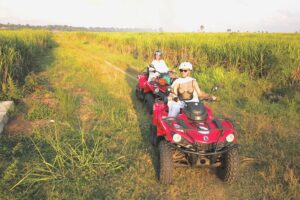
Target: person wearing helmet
[[158, 66], [186, 89]]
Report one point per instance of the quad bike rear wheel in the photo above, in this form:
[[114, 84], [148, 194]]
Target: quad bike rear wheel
[[228, 171], [149, 102], [165, 162], [153, 135]]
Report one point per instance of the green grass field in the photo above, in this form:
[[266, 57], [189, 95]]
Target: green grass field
[[82, 134]]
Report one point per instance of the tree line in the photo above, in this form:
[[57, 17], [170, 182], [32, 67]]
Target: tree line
[[73, 28]]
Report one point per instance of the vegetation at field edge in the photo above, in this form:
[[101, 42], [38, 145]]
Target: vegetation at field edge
[[18, 52], [88, 137]]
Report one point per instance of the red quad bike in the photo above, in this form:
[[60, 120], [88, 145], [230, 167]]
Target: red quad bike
[[153, 90], [194, 138]]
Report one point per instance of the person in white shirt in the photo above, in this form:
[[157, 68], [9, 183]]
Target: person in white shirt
[[158, 66], [186, 89]]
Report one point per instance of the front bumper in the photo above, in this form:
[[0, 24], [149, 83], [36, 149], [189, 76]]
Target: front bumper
[[205, 153]]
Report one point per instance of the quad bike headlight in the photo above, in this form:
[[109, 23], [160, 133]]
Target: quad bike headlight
[[156, 90], [230, 137], [177, 138]]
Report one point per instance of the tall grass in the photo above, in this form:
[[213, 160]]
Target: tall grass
[[267, 130], [63, 159], [271, 56], [73, 157], [97, 147], [18, 51]]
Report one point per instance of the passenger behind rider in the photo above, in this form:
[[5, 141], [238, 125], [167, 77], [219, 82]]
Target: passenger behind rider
[[186, 89], [157, 67]]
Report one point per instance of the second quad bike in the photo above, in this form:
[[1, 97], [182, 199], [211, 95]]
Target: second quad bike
[[149, 91], [194, 138]]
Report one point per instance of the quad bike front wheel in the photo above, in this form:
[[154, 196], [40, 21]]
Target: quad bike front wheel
[[165, 162], [228, 171], [149, 102], [139, 93]]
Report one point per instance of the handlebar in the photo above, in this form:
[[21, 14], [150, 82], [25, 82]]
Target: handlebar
[[209, 98]]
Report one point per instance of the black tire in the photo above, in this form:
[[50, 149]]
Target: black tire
[[228, 171], [138, 93], [149, 102], [153, 136], [165, 163]]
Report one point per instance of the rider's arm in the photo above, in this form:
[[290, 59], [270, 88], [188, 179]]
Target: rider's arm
[[201, 94], [151, 67], [175, 89], [173, 95]]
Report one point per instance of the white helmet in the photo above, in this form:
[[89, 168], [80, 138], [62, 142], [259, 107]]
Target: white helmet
[[186, 65]]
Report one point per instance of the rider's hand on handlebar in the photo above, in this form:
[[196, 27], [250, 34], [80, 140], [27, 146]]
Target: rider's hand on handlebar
[[151, 69], [213, 98], [157, 74], [175, 99]]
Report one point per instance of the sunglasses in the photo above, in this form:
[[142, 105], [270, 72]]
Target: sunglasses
[[183, 70]]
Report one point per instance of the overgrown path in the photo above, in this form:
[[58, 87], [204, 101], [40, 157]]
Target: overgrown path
[[120, 83], [95, 56], [78, 132], [89, 136]]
